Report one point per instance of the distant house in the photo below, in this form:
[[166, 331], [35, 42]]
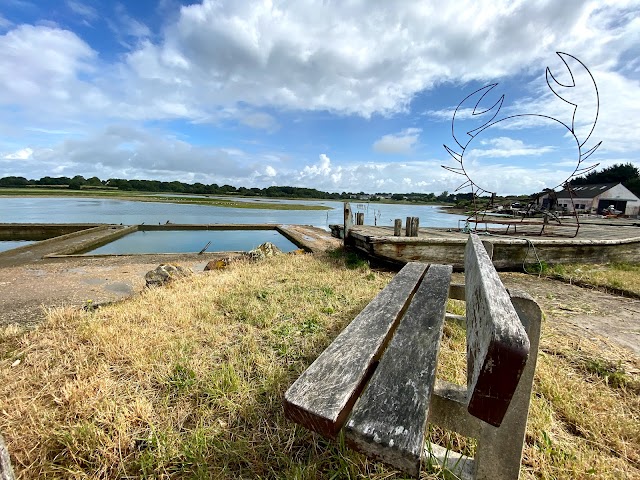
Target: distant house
[[595, 198]]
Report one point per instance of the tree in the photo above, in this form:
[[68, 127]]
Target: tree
[[94, 182], [77, 182], [613, 174], [14, 182], [443, 197]]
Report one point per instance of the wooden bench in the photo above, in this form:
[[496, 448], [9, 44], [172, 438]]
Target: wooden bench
[[377, 381]]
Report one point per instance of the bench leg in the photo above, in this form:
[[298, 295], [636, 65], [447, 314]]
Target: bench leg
[[499, 450]]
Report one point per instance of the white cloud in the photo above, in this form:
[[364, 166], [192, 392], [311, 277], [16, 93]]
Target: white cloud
[[23, 154], [82, 9], [399, 143], [45, 74], [4, 23], [128, 26], [259, 120], [351, 58], [505, 147], [322, 168]]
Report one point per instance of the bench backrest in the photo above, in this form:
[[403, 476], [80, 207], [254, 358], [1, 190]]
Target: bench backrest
[[497, 343]]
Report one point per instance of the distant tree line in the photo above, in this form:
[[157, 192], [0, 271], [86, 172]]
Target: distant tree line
[[625, 173], [80, 183]]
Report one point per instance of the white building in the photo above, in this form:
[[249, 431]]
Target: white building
[[595, 198]]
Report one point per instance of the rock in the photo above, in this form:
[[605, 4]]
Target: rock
[[299, 251], [164, 273], [263, 251], [219, 264]]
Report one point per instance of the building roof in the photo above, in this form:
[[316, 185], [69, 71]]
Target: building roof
[[587, 191]]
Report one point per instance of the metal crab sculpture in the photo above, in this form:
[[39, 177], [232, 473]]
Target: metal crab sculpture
[[466, 139]]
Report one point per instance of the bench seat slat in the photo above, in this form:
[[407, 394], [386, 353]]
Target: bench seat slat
[[388, 422], [321, 398]]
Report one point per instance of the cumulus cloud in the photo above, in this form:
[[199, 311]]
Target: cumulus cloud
[[349, 58], [232, 62], [399, 143]]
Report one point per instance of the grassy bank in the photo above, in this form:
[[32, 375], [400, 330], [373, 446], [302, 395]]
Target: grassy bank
[[187, 382], [149, 197], [622, 278]]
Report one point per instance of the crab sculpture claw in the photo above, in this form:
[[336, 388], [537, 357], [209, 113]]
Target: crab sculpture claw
[[574, 92]]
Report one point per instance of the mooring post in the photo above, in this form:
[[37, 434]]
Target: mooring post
[[359, 218], [348, 222], [407, 229], [397, 227], [415, 223]]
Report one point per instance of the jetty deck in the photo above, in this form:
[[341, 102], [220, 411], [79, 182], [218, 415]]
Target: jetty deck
[[594, 243]]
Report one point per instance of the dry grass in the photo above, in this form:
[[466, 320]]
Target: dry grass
[[187, 382], [617, 277]]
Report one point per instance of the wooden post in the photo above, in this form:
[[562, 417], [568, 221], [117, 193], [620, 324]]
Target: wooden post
[[359, 218], [415, 223], [408, 227], [348, 222], [397, 227]]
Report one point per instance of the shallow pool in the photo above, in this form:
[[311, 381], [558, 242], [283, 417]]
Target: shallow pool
[[9, 244], [188, 241]]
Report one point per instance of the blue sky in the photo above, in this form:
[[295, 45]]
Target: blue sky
[[334, 95]]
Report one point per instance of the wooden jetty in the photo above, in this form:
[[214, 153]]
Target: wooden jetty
[[594, 243]]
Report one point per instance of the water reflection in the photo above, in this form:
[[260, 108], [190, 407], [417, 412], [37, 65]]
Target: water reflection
[[188, 241]]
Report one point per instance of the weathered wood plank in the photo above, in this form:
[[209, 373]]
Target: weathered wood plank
[[497, 344], [388, 422], [322, 397]]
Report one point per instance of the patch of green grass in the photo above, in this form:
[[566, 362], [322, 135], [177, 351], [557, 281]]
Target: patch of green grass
[[181, 378], [612, 373], [619, 277], [537, 268], [349, 258]]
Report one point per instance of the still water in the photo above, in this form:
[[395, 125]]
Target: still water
[[188, 241], [97, 210], [9, 244]]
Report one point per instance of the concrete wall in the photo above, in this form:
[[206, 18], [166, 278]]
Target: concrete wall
[[590, 205], [620, 193]]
